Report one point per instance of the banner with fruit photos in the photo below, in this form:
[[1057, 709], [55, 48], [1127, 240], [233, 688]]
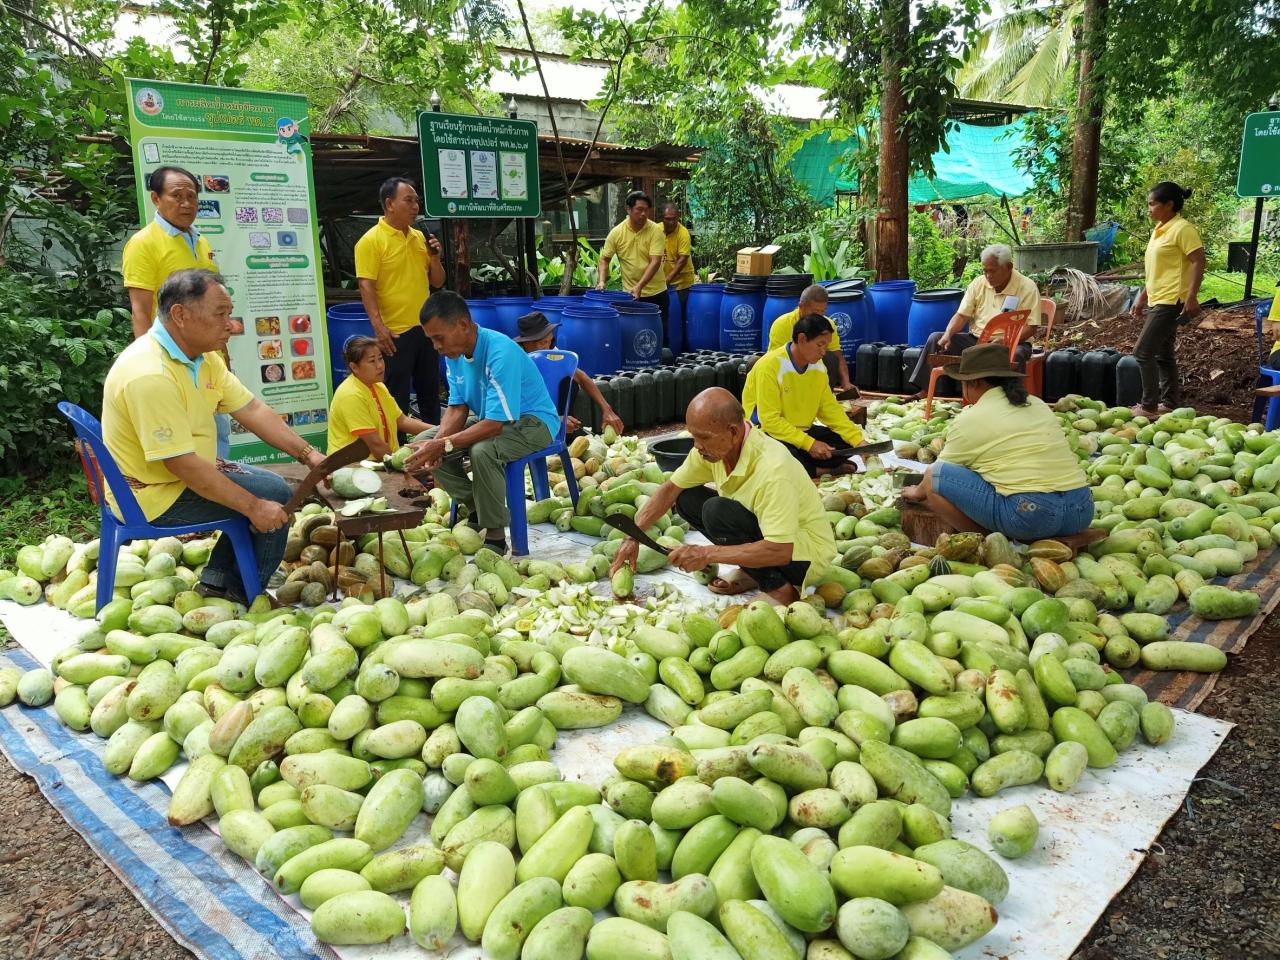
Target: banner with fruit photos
[[250, 151]]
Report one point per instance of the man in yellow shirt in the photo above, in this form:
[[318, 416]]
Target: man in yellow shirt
[[396, 267], [1000, 288], [639, 244], [763, 513], [169, 243], [813, 303], [677, 264], [787, 391], [1005, 465], [158, 404]]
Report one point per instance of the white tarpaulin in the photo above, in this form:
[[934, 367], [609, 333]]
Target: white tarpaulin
[[1091, 839]]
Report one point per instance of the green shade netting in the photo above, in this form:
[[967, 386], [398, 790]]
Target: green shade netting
[[980, 162]]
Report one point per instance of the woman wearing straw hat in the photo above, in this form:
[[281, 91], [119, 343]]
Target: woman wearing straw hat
[[1006, 465]]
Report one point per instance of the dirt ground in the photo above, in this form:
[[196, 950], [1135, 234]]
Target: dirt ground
[[1209, 890]]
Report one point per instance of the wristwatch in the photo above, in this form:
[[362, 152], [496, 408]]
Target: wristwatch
[[448, 445]]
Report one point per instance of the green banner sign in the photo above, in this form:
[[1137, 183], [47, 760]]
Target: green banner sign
[[251, 154], [478, 166], [1259, 174]]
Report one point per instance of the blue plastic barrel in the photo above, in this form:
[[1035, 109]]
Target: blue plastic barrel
[[509, 310], [702, 325], [606, 296], [641, 330], [741, 314], [344, 320], [854, 321], [484, 314], [675, 322], [892, 299], [774, 307], [553, 307], [931, 311], [592, 331]]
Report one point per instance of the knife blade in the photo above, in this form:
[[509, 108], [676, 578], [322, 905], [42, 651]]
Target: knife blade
[[620, 521], [352, 453]]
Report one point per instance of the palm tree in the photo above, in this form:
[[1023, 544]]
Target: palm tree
[[1025, 54]]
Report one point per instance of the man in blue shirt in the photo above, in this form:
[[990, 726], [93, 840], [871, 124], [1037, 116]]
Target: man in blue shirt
[[499, 411]]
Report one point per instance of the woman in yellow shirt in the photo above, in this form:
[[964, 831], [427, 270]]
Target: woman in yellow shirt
[[1006, 465], [1175, 267], [363, 407]]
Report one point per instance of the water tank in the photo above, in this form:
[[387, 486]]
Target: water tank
[[344, 320], [664, 381], [1098, 374], [606, 388], [889, 369], [931, 311], [553, 307], [641, 334], [1061, 373], [592, 331], [484, 314], [866, 365], [646, 399], [508, 311], [702, 322], [849, 309], [675, 323], [625, 404], [1128, 382], [686, 388], [741, 314], [892, 299]]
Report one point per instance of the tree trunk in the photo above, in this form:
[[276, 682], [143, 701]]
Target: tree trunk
[[1086, 145], [891, 190]]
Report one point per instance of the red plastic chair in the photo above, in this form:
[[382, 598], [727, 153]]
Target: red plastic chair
[[1035, 362], [1009, 325]]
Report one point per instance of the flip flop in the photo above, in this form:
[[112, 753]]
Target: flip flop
[[742, 583]]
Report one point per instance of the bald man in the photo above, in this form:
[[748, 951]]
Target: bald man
[[763, 513]]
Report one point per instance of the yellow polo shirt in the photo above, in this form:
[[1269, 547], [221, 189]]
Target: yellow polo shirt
[[153, 253], [769, 482], [982, 301], [155, 406], [784, 326], [633, 248], [788, 401], [397, 263], [358, 409], [1015, 449], [679, 245], [1168, 272]]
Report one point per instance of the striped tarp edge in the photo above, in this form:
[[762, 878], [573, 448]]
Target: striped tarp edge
[[207, 898], [1189, 690]]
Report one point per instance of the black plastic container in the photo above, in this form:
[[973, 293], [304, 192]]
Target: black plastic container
[[889, 369], [704, 377], [1098, 374], [625, 405], [610, 394], [910, 357], [1128, 382], [727, 372], [686, 388], [1061, 373], [866, 365], [646, 399], [582, 408], [664, 386]]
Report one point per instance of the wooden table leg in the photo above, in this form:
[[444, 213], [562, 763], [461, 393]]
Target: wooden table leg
[[382, 565]]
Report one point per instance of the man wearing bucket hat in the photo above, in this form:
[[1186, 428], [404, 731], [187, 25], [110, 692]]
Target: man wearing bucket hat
[[1005, 465], [536, 332]]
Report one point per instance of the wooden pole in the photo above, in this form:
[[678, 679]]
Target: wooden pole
[[891, 215], [1086, 144]]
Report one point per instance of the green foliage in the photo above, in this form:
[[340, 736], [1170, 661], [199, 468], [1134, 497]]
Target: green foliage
[[585, 271], [60, 504], [1024, 54], [362, 62], [833, 251], [930, 256], [855, 40]]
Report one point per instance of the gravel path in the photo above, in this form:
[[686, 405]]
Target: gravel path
[[1208, 891]]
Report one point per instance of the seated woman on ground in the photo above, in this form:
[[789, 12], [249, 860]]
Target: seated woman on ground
[[363, 407], [1005, 465]]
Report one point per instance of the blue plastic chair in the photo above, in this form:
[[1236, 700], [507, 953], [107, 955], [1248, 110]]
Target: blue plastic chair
[[557, 368], [1267, 377], [100, 467]]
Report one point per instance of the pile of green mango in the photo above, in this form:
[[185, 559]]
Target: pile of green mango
[[799, 806]]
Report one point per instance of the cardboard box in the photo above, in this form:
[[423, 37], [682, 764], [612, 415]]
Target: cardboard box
[[757, 261]]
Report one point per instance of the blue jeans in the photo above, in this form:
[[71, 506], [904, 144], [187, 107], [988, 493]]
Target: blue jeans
[[1019, 516], [223, 422], [221, 572]]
